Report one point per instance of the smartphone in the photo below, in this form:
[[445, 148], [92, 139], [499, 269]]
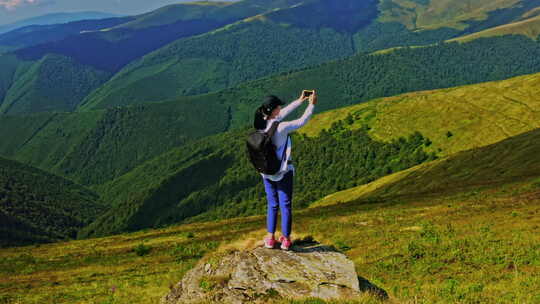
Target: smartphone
[[308, 93]]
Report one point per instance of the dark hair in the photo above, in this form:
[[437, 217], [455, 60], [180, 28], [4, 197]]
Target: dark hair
[[259, 123], [265, 110]]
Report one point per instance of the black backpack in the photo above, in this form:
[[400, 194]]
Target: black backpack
[[262, 152]]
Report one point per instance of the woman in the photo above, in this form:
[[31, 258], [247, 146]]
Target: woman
[[279, 186]]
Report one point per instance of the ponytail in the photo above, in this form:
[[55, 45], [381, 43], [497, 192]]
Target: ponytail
[[260, 122]]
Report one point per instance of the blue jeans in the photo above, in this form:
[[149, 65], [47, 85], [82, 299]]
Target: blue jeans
[[279, 194]]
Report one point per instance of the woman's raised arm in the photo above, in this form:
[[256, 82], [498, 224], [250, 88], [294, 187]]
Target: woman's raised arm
[[292, 106], [290, 126]]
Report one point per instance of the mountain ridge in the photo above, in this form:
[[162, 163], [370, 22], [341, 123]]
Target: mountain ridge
[[167, 69], [55, 18]]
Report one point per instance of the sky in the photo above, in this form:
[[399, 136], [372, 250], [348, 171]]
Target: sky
[[14, 10]]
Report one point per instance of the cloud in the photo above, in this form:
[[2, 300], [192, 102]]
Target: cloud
[[14, 4]]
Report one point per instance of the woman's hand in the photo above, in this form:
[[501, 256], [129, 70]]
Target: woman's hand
[[303, 96], [313, 98]]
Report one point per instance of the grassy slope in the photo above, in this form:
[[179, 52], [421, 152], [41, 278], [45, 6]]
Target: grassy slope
[[36, 206], [213, 10], [479, 245], [416, 23], [529, 27], [512, 160], [54, 18], [418, 15], [476, 115]]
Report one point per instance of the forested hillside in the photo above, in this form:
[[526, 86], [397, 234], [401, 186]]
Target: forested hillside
[[222, 183], [110, 47], [456, 119], [403, 22], [36, 206], [339, 152], [339, 84], [287, 39], [95, 147], [232, 55], [54, 83], [364, 77]]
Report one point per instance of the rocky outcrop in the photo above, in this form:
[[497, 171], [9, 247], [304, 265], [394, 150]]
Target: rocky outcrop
[[261, 274]]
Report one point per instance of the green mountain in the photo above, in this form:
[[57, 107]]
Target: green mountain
[[231, 55], [87, 53], [403, 22], [106, 146], [456, 119], [101, 149], [36, 206], [94, 147], [194, 48], [54, 83], [287, 39], [345, 147]]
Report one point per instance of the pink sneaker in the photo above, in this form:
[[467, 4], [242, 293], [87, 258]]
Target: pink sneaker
[[285, 243], [269, 242]]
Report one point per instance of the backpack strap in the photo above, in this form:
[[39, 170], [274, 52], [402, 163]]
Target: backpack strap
[[271, 133], [273, 129], [285, 149]]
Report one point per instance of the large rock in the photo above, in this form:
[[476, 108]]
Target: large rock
[[260, 274]]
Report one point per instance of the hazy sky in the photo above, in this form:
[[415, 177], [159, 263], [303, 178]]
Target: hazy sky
[[13, 10]]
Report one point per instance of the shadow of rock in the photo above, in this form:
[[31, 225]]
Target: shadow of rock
[[313, 248], [367, 286]]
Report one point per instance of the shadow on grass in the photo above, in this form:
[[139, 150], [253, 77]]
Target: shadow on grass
[[367, 286]]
